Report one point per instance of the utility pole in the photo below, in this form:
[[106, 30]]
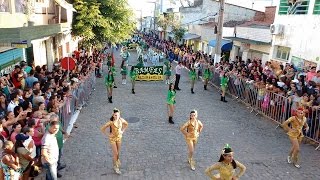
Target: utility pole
[[217, 51], [154, 16], [140, 20]]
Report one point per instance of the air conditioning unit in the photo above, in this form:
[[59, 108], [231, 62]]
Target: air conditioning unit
[[276, 29]]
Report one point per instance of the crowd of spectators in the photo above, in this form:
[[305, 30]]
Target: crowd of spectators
[[277, 90], [29, 97]]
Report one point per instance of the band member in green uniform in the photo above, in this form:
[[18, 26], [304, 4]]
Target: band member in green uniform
[[193, 77], [109, 82], [117, 127], [224, 86], [124, 72], [191, 130], [167, 72], [206, 76], [171, 101], [133, 76], [114, 73]]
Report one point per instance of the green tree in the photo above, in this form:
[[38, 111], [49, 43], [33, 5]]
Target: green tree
[[178, 33], [98, 21], [166, 20]]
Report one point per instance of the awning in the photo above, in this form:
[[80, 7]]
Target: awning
[[189, 36], [249, 41], [65, 5], [226, 45]]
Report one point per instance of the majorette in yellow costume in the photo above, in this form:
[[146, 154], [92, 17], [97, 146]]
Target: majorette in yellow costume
[[226, 166], [298, 122], [117, 127], [191, 131]]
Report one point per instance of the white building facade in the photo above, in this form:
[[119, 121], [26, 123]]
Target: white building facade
[[296, 33], [41, 35], [209, 10]]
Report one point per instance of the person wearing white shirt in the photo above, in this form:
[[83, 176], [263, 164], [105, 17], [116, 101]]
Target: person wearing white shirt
[[178, 74], [50, 151], [13, 103], [29, 143]]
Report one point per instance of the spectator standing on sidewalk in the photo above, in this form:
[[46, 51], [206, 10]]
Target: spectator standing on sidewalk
[[50, 151], [178, 75], [59, 136], [191, 130], [10, 162]]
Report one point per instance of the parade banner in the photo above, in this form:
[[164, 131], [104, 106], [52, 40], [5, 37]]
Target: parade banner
[[149, 73]]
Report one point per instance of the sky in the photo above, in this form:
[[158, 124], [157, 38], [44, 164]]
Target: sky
[[147, 7]]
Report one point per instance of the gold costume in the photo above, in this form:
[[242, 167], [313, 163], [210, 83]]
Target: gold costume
[[192, 130], [296, 127], [116, 131], [226, 171]]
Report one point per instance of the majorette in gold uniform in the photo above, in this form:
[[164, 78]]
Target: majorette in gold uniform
[[117, 127], [295, 134], [226, 166], [191, 130]]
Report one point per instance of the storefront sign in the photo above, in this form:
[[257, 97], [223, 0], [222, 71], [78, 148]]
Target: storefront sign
[[19, 45], [151, 73]]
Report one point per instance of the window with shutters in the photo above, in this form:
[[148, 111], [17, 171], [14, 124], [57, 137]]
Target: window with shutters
[[294, 7], [316, 9]]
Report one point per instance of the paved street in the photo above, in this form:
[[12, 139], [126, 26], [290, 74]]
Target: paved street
[[154, 149]]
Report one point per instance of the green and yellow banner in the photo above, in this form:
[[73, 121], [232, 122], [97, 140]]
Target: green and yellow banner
[[150, 73]]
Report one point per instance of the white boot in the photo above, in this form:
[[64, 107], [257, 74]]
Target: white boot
[[122, 81], [125, 81]]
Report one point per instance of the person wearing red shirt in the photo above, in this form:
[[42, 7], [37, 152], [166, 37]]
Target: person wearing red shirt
[[14, 76]]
